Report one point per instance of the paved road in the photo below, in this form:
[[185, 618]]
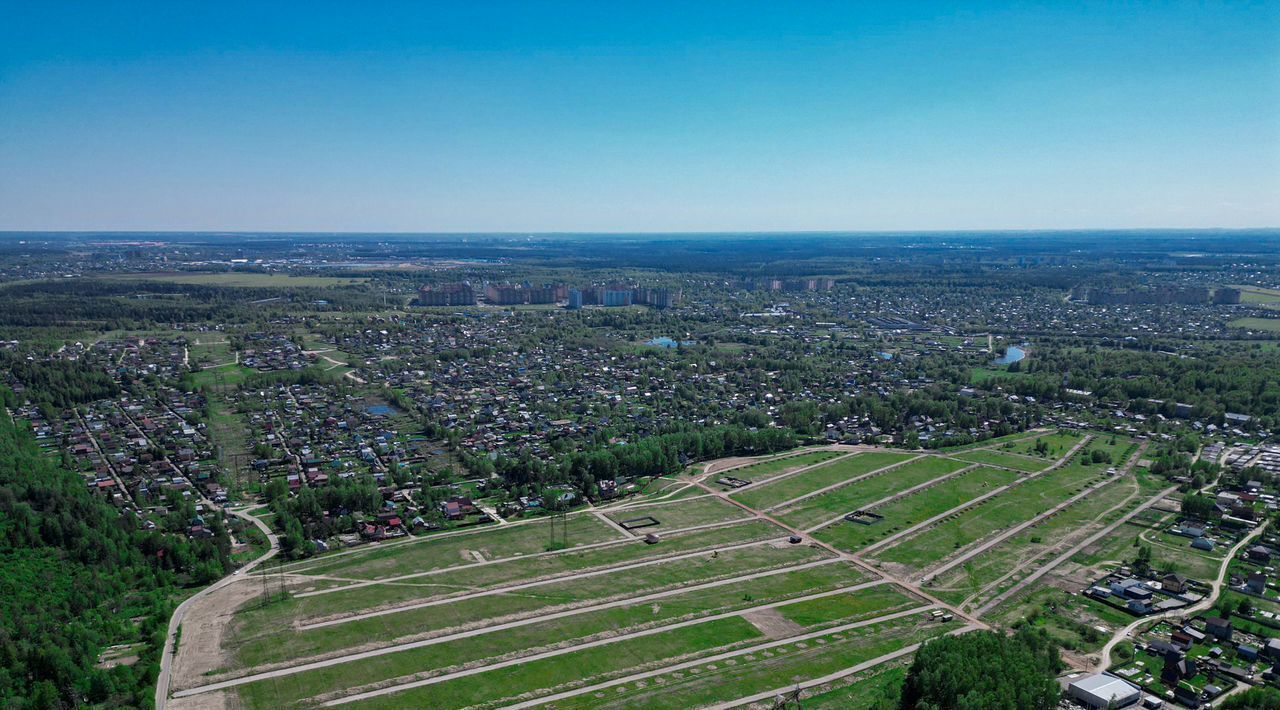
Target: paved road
[[1104, 658], [170, 639]]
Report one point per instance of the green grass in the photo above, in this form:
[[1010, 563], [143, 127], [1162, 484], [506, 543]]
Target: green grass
[[822, 508], [438, 553], [1058, 443], [672, 516], [267, 634], [987, 442], [844, 608], [1018, 504], [682, 607], [771, 494], [879, 689], [1270, 325], [916, 508], [701, 639], [776, 466], [519, 570], [1257, 294], [996, 458], [781, 668], [1024, 550]]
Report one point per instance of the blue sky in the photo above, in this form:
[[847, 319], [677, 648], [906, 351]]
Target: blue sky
[[610, 116]]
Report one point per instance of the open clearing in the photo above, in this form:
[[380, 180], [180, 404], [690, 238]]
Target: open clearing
[[1016, 505], [790, 487], [724, 607], [916, 508], [823, 507]]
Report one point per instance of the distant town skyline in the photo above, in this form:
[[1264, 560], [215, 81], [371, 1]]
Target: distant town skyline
[[639, 117]]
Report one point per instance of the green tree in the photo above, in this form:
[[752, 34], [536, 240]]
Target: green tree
[[984, 669]]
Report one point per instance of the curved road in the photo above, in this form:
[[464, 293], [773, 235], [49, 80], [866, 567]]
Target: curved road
[[1104, 658], [170, 639]]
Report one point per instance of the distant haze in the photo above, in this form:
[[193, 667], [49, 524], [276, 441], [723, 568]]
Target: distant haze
[[637, 117]]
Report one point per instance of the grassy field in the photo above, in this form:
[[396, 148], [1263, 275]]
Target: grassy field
[[776, 466], [1270, 325], [240, 279], [684, 514], [735, 597], [1019, 551], [785, 489], [268, 637], [916, 508], [995, 458], [819, 509], [521, 569], [995, 441], [879, 687], [1058, 443], [1018, 504], [780, 669], [1257, 294], [437, 553], [730, 681]]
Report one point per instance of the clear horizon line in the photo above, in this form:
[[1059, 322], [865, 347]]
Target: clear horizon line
[[8, 231]]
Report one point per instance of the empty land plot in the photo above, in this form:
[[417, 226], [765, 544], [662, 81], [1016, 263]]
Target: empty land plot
[[877, 687], [778, 667], [785, 489], [1018, 504], [846, 499], [585, 667], [437, 553], [1057, 444], [1119, 447], [995, 458], [1029, 545], [916, 508], [994, 441], [256, 640], [740, 596], [775, 467], [685, 514], [340, 600]]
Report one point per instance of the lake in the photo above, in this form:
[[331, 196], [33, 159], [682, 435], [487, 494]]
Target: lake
[[1012, 354]]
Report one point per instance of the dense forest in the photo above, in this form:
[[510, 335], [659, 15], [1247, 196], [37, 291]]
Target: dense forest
[[76, 577], [984, 669]]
